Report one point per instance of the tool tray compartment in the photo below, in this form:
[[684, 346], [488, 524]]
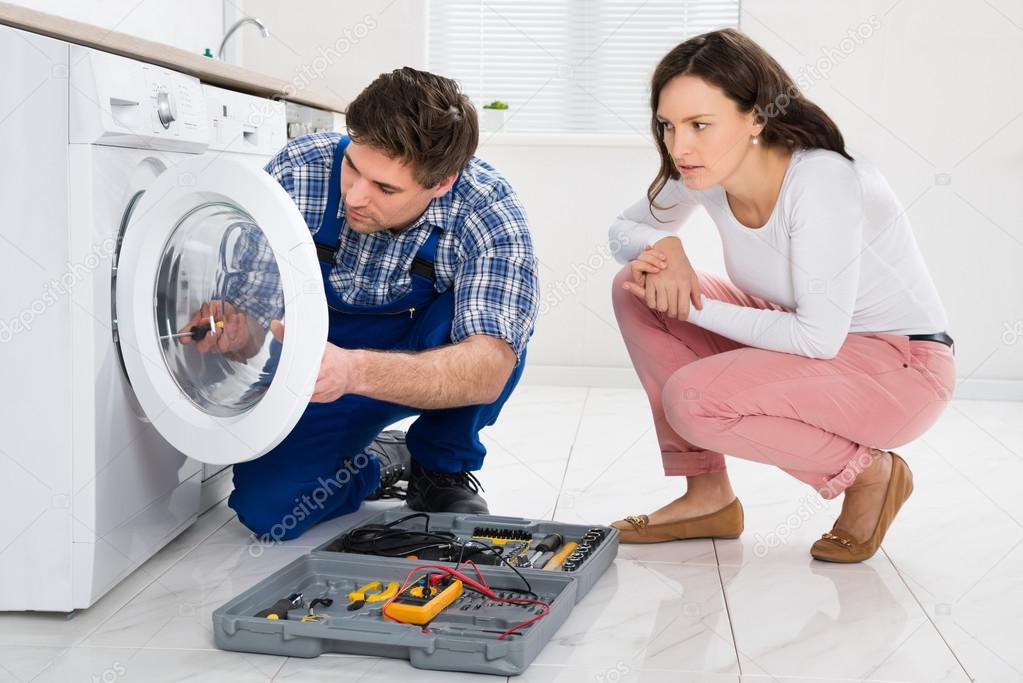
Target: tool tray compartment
[[465, 636], [456, 640], [463, 526]]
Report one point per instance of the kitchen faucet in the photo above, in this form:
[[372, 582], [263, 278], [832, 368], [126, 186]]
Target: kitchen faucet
[[244, 20]]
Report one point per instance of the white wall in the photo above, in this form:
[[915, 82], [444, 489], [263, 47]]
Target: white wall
[[929, 97], [336, 47], [192, 25]]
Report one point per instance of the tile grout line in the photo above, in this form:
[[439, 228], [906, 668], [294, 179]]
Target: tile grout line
[[49, 665], [279, 669], [571, 451], [927, 614], [728, 610]]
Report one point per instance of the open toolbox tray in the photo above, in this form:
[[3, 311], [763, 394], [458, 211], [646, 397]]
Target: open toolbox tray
[[455, 640], [463, 525]]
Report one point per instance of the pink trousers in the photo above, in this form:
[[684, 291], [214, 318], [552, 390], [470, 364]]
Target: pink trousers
[[816, 419]]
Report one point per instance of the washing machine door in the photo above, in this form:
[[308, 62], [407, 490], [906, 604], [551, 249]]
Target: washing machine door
[[213, 252]]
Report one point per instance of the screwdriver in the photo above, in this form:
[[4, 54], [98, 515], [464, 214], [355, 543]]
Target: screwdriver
[[279, 610], [549, 544], [197, 332]]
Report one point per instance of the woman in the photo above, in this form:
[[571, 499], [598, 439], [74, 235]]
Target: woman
[[828, 348]]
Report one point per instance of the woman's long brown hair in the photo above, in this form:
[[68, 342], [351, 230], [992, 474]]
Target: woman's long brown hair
[[731, 61]]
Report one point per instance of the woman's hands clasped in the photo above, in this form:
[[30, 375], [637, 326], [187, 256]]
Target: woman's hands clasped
[[664, 278]]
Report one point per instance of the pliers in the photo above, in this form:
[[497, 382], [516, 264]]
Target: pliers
[[372, 592]]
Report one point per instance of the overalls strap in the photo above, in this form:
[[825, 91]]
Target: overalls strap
[[328, 237]]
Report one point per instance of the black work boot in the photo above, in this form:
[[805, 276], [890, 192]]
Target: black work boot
[[390, 451], [444, 492]]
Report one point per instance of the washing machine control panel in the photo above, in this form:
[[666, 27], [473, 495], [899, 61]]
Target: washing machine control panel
[[119, 101]]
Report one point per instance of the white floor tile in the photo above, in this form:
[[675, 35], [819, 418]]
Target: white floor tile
[[982, 441], [539, 673], [126, 665], [814, 679], [616, 471], [615, 438], [648, 616], [176, 610], [335, 668], [528, 450], [827, 621], [961, 553], [23, 663], [941, 602]]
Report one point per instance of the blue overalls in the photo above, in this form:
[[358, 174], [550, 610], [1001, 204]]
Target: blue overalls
[[319, 472]]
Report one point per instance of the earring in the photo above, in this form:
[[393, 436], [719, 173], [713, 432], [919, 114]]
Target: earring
[[755, 140]]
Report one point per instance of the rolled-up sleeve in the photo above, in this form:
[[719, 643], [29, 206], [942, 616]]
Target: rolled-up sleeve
[[497, 284]]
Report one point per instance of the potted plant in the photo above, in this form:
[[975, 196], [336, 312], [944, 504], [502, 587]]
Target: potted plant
[[493, 115]]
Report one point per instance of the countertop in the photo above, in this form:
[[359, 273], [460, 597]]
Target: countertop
[[208, 70]]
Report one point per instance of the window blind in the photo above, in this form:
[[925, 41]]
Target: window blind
[[565, 65]]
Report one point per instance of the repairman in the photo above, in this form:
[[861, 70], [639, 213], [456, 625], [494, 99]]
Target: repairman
[[431, 283]]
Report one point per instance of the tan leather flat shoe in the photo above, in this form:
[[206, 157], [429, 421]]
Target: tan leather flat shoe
[[725, 523], [838, 545]]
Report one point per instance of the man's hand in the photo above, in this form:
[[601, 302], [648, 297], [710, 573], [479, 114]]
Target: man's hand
[[334, 379], [239, 339], [664, 278], [335, 375]]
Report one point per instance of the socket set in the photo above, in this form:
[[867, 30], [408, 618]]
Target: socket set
[[591, 540]]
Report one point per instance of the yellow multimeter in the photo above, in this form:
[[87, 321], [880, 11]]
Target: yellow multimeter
[[421, 602]]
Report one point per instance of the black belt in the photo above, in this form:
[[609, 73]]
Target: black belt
[[939, 337]]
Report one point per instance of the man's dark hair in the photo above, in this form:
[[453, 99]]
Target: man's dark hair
[[418, 117]]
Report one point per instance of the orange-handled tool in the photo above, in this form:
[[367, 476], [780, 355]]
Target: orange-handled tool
[[556, 561]]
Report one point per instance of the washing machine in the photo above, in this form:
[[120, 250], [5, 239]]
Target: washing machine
[[123, 216]]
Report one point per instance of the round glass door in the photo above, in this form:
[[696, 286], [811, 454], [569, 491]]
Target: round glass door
[[203, 274], [218, 288]]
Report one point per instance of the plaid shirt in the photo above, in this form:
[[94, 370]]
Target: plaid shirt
[[485, 250]]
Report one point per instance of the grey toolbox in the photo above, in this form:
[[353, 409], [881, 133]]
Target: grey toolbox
[[460, 638]]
